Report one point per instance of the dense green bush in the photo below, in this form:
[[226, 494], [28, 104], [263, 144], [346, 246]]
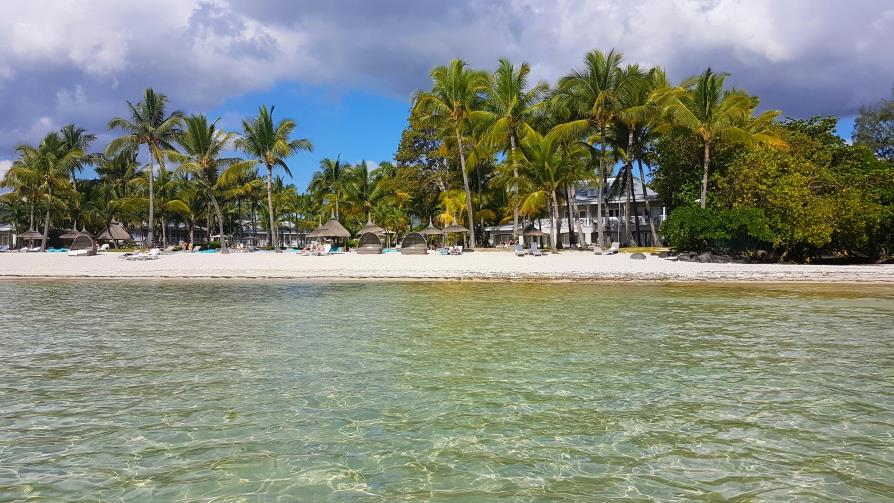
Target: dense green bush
[[695, 228]]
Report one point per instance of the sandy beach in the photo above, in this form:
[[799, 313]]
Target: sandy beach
[[566, 266]]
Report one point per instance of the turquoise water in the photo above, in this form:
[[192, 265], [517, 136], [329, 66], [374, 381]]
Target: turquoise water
[[252, 391]]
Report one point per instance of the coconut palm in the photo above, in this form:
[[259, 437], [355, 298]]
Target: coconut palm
[[456, 93], [270, 145], [47, 166], [592, 96], [333, 178], [149, 125], [203, 146], [77, 138], [712, 114], [510, 106]]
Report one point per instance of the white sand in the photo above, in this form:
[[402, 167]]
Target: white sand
[[569, 265]]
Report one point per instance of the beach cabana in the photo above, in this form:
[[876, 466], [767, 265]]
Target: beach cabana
[[370, 227], [83, 245], [115, 232], [331, 229], [30, 235], [413, 244], [369, 244]]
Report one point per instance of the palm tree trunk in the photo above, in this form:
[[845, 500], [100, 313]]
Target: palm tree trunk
[[273, 235], [572, 239], [627, 234], [633, 201], [164, 232], [46, 220], [554, 232], [515, 230], [223, 242], [31, 224], [705, 173], [600, 225], [581, 240], [150, 233], [462, 165], [656, 239], [336, 206]]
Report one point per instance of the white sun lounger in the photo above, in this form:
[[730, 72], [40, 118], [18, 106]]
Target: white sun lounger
[[614, 249], [519, 250]]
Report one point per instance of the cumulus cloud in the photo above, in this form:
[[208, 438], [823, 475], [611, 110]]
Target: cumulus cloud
[[62, 61]]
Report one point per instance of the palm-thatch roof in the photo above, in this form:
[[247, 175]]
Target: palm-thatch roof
[[370, 227], [30, 234], [532, 231], [454, 227], [115, 232], [74, 233], [431, 230], [331, 229]]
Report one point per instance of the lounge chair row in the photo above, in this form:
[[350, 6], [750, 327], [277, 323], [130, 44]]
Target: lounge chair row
[[533, 251]]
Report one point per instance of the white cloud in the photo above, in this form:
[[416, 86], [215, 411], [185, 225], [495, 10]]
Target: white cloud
[[5, 164]]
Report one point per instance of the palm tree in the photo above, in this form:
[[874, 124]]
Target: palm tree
[[334, 178], [592, 95], [547, 168], [77, 138], [48, 165], [203, 146], [148, 125], [364, 187], [712, 113], [510, 107], [270, 145], [448, 107]]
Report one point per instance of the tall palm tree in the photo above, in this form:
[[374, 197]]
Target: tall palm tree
[[49, 165], [77, 138], [455, 94], [149, 125], [707, 110], [363, 187], [592, 95], [202, 157], [510, 106], [270, 145], [334, 178]]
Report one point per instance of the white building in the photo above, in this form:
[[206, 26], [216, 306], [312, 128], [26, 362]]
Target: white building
[[586, 198]]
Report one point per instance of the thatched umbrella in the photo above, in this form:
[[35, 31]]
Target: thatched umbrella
[[115, 232], [431, 230], [334, 229], [370, 227], [74, 233], [30, 235], [532, 232], [455, 227]]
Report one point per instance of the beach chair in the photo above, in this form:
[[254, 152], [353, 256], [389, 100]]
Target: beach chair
[[455, 250], [519, 250], [134, 256], [197, 249], [152, 255], [535, 250], [327, 248], [169, 250], [616, 246], [4, 248], [104, 247]]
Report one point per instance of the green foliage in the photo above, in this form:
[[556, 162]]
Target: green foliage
[[874, 128], [696, 229]]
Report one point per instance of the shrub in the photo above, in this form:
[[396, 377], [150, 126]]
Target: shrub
[[695, 228]]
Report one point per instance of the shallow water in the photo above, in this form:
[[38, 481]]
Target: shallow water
[[196, 391]]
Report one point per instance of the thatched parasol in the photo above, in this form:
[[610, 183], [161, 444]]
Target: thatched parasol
[[74, 233], [431, 230], [115, 232], [370, 227], [331, 229], [29, 235], [533, 231], [454, 227]]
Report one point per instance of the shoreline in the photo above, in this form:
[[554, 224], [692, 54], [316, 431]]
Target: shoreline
[[565, 267]]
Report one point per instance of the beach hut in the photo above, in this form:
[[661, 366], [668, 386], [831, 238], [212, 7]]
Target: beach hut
[[331, 229], [115, 232], [30, 235], [413, 244], [83, 245], [369, 244]]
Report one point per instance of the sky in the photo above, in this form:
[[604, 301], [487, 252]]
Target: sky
[[345, 70]]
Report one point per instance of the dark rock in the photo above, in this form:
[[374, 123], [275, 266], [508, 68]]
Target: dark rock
[[663, 255], [705, 258], [637, 256]]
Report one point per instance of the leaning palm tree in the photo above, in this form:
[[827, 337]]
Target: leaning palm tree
[[592, 96], [48, 166], [455, 94], [202, 157], [333, 178], [270, 145], [149, 125], [712, 113], [510, 107]]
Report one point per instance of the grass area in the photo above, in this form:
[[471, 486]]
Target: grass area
[[644, 249]]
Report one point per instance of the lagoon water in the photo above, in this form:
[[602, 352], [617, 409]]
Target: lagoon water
[[197, 391]]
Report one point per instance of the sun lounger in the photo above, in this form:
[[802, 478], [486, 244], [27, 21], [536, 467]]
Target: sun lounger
[[455, 250], [153, 254], [169, 250], [519, 250], [614, 249], [535, 250], [327, 248], [104, 247], [197, 249], [4, 248]]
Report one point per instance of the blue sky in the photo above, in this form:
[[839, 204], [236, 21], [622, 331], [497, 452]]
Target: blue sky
[[355, 125]]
